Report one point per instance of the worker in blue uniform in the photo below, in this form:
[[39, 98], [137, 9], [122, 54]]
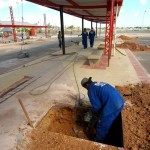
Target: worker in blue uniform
[[91, 37], [84, 38], [107, 104], [59, 39]]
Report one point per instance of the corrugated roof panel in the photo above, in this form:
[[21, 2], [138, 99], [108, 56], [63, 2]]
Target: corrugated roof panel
[[79, 12], [60, 2], [90, 3], [102, 10], [95, 12]]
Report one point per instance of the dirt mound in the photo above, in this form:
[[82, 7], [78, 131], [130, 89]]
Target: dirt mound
[[123, 37], [40, 39], [136, 116], [133, 46]]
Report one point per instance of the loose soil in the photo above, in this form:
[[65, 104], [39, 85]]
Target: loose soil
[[134, 46], [123, 37], [131, 45], [59, 129], [136, 113], [62, 128]]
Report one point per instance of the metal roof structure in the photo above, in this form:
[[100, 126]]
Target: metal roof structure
[[92, 10], [99, 11]]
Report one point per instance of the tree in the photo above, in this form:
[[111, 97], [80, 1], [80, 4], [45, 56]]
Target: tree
[[148, 28], [70, 27]]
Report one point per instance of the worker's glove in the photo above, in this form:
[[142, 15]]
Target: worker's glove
[[88, 116], [93, 122]]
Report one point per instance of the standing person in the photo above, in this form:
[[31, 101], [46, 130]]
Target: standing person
[[84, 38], [91, 37], [107, 104], [59, 39]]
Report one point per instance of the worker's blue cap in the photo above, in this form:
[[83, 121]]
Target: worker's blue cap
[[84, 81]]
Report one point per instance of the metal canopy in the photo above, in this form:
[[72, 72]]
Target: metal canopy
[[92, 10]]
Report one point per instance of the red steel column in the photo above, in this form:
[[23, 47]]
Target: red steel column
[[12, 21], [107, 29], [111, 29]]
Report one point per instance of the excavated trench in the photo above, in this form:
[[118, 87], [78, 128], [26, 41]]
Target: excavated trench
[[69, 121], [60, 129]]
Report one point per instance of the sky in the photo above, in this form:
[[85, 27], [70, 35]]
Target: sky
[[133, 13]]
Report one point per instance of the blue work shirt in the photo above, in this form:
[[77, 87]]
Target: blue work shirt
[[91, 34], [84, 35], [104, 98]]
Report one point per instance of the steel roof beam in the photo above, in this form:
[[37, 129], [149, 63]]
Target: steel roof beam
[[21, 26], [76, 5], [72, 3]]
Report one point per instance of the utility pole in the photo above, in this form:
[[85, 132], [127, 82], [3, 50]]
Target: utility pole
[[143, 19]]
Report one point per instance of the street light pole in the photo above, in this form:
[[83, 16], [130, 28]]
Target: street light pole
[[143, 19]]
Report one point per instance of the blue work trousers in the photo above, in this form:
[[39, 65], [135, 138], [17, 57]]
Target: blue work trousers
[[59, 43], [104, 125], [85, 43], [91, 42]]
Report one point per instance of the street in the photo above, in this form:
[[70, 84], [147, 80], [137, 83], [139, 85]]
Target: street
[[144, 59], [9, 53]]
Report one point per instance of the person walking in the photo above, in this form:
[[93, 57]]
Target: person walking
[[84, 38], [59, 39], [107, 104], [91, 37]]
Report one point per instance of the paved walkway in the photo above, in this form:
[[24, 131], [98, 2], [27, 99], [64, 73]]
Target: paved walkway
[[56, 79]]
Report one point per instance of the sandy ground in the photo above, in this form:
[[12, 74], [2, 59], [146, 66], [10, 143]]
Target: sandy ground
[[136, 114]]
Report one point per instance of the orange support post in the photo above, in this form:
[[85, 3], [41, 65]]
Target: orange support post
[[109, 30], [13, 22]]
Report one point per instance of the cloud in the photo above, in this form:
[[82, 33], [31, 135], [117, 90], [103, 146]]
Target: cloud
[[143, 2]]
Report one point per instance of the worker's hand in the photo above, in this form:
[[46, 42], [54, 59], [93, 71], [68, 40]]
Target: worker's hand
[[86, 130], [88, 116]]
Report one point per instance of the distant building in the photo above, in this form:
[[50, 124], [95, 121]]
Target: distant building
[[8, 30], [16, 23]]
